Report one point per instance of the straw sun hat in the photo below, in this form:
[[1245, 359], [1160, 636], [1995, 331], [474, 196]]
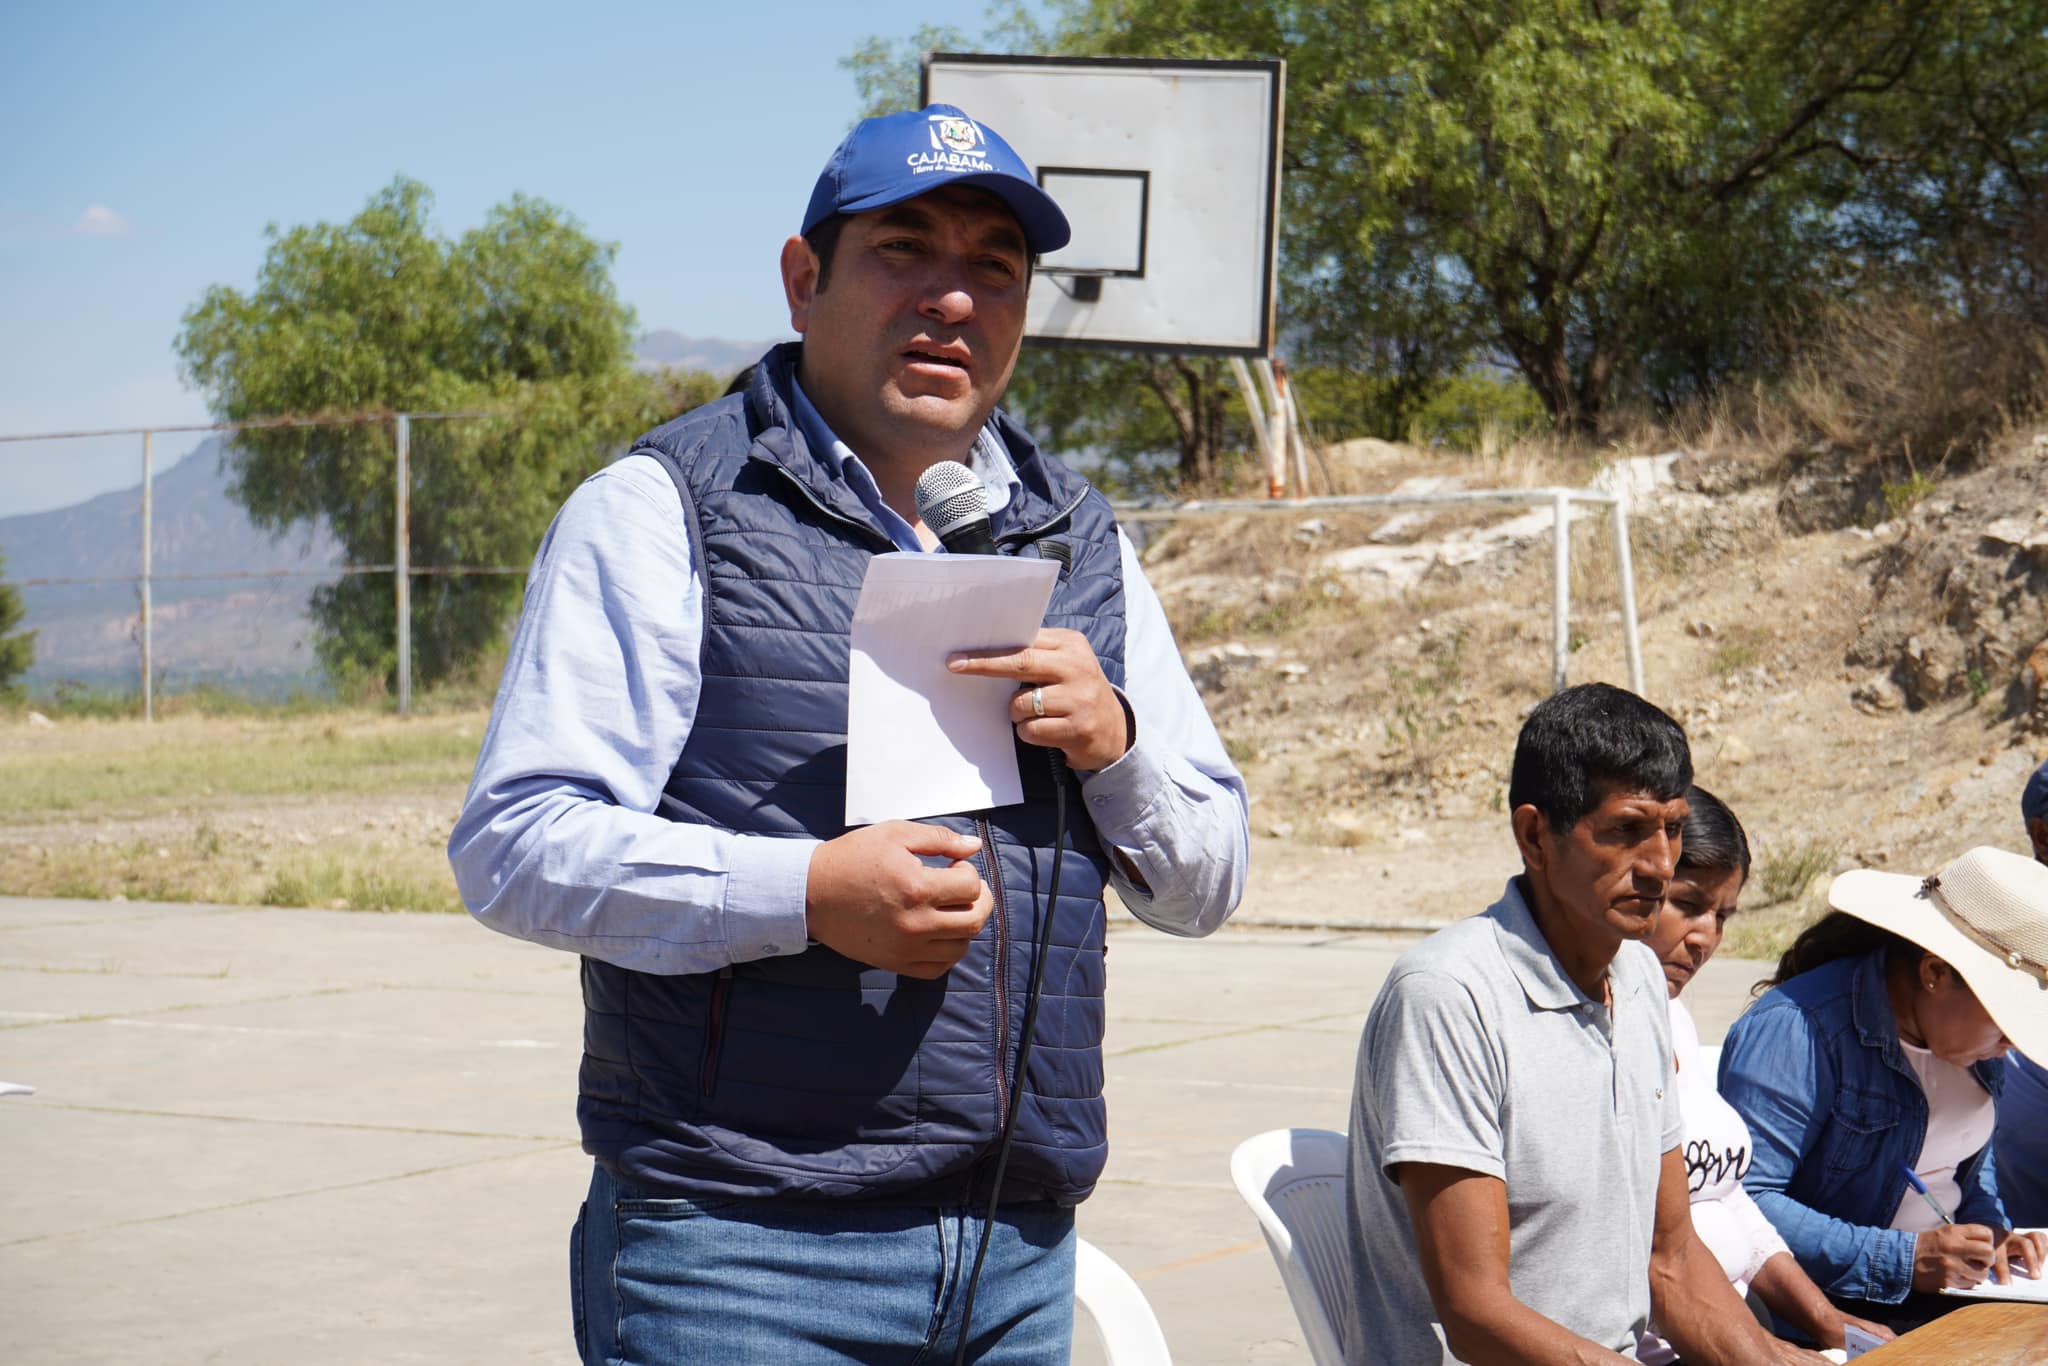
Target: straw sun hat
[[1986, 916]]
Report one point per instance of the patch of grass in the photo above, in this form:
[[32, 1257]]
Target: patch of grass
[[68, 698], [329, 806], [1424, 717], [1319, 598], [1789, 866], [72, 700], [302, 887], [119, 767], [352, 886], [395, 869], [377, 890], [1766, 932], [1733, 657], [73, 887], [1900, 496]]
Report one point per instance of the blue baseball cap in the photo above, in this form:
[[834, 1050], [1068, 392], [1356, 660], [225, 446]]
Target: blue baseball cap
[[895, 157], [2034, 796]]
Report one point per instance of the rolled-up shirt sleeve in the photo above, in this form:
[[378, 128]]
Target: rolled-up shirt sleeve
[[559, 841], [1782, 1082], [1174, 805]]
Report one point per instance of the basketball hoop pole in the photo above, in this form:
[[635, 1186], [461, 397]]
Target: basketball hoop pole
[[1286, 424], [1263, 429], [1274, 423]]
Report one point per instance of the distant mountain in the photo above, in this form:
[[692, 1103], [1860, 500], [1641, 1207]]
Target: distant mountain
[[203, 629], [253, 632], [667, 350]]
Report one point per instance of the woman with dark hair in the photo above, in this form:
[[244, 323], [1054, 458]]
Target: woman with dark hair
[[1713, 863], [1868, 1077]]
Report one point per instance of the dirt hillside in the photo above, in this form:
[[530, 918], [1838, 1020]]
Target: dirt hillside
[[1860, 665]]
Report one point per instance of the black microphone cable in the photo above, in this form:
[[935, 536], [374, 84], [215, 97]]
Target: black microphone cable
[[950, 500], [1040, 948]]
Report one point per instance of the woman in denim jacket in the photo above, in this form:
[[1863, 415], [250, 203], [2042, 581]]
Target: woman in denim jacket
[[1910, 989]]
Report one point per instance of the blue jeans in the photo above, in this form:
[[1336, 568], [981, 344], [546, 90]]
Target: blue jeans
[[656, 1281]]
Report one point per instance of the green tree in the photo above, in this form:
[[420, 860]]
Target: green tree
[[1605, 195], [17, 647], [1951, 169], [517, 318], [1152, 421], [1621, 199]]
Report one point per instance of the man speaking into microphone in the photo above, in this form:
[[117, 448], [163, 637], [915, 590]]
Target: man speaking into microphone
[[801, 1041]]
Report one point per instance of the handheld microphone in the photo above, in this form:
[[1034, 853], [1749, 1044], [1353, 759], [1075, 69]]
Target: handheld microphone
[[952, 502]]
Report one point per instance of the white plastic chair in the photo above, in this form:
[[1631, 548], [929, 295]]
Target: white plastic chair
[[1124, 1322], [1293, 1179]]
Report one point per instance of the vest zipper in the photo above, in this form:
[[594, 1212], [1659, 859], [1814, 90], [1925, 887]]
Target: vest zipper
[[714, 1031], [1029, 534], [1001, 973], [873, 534]]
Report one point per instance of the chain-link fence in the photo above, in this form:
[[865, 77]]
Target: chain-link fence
[[273, 557], [270, 557]]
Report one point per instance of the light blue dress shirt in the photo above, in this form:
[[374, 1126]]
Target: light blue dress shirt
[[558, 841]]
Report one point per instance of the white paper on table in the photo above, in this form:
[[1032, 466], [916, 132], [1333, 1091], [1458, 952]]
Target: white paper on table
[[2020, 1287], [920, 740]]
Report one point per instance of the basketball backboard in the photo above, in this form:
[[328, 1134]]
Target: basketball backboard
[[1169, 172]]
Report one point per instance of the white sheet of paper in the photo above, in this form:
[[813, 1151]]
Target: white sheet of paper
[[922, 741], [2020, 1287]]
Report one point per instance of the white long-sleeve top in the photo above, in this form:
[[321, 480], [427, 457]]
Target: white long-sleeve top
[[1716, 1156]]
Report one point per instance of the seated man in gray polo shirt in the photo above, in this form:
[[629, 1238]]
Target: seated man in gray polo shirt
[[1517, 1188]]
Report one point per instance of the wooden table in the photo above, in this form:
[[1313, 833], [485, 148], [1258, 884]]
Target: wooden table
[[1995, 1333]]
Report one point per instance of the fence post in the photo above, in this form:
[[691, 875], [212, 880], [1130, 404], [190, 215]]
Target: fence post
[[1624, 571], [1561, 587], [402, 560], [148, 653]]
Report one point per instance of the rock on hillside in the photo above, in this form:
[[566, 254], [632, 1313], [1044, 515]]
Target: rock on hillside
[[1958, 594], [1860, 695]]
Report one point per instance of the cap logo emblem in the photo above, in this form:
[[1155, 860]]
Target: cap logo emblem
[[953, 134]]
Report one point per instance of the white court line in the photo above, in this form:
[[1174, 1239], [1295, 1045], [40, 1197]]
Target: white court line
[[289, 1031]]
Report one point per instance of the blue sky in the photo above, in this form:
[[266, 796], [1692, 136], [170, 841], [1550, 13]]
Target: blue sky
[[149, 144]]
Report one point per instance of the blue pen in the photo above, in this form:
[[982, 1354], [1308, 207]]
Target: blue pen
[[1913, 1180]]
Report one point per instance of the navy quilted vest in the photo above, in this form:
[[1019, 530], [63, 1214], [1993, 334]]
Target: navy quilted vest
[[811, 1075]]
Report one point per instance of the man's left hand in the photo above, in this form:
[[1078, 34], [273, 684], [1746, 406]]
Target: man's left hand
[[1063, 702]]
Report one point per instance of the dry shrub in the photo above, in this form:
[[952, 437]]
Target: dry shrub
[[1542, 459], [1529, 459], [1898, 377], [1748, 423]]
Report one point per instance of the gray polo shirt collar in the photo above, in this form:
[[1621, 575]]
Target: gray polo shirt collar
[[1534, 962]]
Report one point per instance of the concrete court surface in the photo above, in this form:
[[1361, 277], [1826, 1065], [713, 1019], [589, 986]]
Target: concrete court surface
[[274, 1136]]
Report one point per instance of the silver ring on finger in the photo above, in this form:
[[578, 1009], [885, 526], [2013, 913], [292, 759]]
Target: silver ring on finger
[[1038, 703]]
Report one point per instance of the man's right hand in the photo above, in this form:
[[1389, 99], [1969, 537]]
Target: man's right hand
[[1956, 1255], [870, 897]]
